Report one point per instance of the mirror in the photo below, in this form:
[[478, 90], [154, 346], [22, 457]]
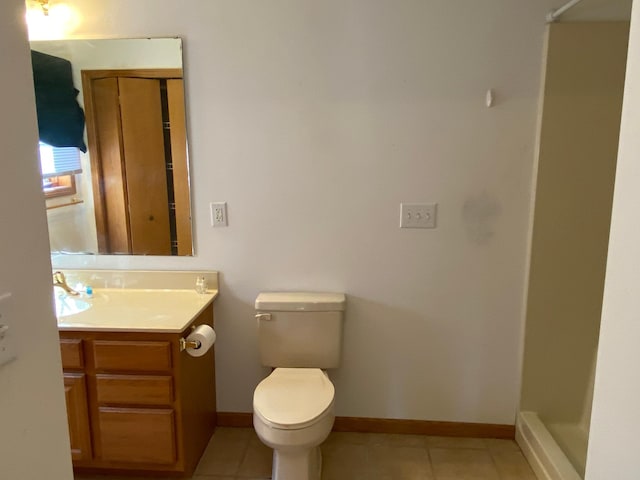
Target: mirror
[[132, 195]]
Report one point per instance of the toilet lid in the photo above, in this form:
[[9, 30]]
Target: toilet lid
[[292, 397]]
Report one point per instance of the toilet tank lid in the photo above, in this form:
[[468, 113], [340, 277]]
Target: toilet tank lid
[[300, 302]]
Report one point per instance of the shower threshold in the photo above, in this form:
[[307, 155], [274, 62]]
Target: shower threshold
[[547, 459]]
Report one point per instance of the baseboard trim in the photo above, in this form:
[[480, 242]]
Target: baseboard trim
[[235, 419], [423, 427], [392, 425]]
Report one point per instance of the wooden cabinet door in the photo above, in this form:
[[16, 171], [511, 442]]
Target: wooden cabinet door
[[75, 389], [137, 435]]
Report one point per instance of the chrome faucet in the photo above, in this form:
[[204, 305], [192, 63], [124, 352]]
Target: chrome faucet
[[60, 281]]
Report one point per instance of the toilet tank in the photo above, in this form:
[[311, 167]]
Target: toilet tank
[[300, 329]]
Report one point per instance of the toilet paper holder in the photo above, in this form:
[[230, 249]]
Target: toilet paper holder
[[199, 341], [184, 344]]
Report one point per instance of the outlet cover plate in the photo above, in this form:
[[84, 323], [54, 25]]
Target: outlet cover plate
[[218, 214], [418, 215]]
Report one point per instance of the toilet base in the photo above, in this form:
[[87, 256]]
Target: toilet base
[[296, 452], [296, 464]]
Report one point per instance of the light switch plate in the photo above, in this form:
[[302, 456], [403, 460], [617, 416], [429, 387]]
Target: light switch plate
[[418, 215]]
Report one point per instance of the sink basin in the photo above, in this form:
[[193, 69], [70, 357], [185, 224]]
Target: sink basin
[[67, 305]]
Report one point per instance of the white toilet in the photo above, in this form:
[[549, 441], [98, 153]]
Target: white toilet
[[299, 334]]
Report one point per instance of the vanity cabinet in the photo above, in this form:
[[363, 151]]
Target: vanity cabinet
[[136, 402]]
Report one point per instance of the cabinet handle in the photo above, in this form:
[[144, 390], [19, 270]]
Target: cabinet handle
[[263, 316]]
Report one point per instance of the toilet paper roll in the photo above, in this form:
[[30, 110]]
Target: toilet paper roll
[[205, 336]]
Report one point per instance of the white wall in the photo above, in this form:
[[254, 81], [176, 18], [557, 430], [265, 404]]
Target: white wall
[[34, 442], [613, 451], [314, 120]]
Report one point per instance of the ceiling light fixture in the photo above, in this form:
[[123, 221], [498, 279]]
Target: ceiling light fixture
[[49, 20], [44, 4]]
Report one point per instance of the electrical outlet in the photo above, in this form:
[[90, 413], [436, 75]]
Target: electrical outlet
[[418, 215], [218, 214]]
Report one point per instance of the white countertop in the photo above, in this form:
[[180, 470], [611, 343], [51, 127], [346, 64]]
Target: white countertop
[[139, 310]]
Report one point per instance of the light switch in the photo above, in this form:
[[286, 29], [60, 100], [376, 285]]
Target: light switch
[[418, 215]]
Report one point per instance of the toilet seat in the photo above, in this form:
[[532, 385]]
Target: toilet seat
[[293, 398]]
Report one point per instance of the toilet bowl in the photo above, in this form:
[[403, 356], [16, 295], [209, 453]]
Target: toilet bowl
[[299, 335], [293, 413]]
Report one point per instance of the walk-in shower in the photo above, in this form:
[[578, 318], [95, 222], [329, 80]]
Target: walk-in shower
[[578, 138]]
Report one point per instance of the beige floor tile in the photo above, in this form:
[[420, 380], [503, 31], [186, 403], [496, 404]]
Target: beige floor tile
[[238, 454], [225, 452], [257, 461], [398, 440], [227, 434], [455, 442], [345, 461], [389, 462], [462, 464], [352, 438], [377, 439], [501, 445], [513, 466], [393, 439]]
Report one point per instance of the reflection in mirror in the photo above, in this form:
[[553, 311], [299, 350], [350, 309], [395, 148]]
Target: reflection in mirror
[[130, 194]]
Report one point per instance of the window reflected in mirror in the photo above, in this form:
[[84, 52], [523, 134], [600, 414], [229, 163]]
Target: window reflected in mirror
[[59, 166]]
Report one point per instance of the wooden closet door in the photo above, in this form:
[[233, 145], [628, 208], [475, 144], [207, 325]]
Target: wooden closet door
[[175, 96], [112, 216], [146, 177]]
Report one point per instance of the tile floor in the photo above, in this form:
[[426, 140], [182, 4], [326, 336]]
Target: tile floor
[[237, 454]]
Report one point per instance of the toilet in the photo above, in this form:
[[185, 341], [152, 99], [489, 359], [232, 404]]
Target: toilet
[[299, 335]]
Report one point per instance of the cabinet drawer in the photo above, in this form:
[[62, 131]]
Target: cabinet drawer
[[71, 352], [134, 389], [132, 356], [137, 435]]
